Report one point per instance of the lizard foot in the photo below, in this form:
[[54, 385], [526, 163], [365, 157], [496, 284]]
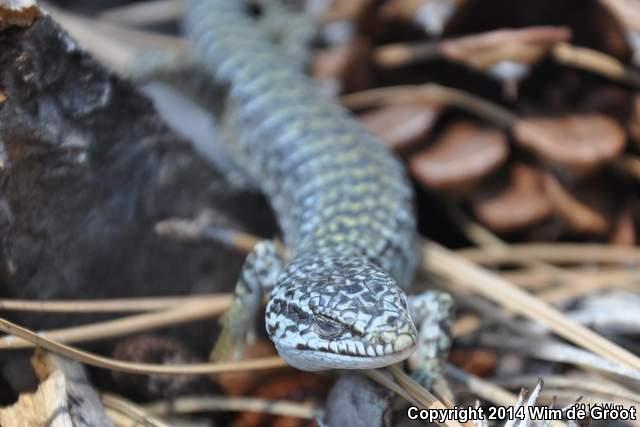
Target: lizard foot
[[432, 312], [237, 331], [258, 276]]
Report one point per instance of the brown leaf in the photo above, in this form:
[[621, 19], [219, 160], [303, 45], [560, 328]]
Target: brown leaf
[[239, 383], [294, 386], [581, 143], [401, 127], [463, 155], [521, 203], [477, 362]]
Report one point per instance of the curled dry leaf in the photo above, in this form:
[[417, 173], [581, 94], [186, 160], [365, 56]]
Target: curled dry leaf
[[477, 362], [401, 127], [239, 383], [581, 143], [462, 156], [296, 386], [345, 65], [581, 217], [521, 203]]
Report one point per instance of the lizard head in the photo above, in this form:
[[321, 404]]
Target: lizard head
[[346, 313]]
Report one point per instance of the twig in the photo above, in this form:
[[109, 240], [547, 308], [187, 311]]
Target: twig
[[558, 253], [115, 305], [582, 282], [483, 50], [591, 283], [448, 264], [488, 391], [201, 228], [137, 368], [577, 384], [190, 404], [131, 411], [480, 50], [114, 45], [384, 380], [417, 396], [596, 62], [429, 93], [144, 40], [147, 13], [186, 312], [550, 350], [421, 393], [481, 388]]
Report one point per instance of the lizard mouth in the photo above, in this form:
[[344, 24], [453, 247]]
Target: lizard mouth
[[308, 359]]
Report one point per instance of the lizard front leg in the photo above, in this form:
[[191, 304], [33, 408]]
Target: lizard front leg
[[432, 312], [258, 277]]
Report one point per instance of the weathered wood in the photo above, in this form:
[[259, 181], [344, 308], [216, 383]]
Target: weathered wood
[[19, 13], [64, 398]]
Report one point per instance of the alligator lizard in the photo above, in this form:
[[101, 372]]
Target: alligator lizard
[[343, 203]]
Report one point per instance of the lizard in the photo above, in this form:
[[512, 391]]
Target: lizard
[[344, 205]]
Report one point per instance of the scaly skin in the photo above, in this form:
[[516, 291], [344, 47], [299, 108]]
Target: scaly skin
[[342, 200]]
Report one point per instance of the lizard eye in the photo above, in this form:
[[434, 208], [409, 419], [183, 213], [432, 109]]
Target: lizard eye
[[326, 327]]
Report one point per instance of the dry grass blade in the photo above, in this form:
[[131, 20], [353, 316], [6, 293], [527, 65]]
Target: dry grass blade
[[481, 388], [137, 368], [115, 305], [554, 351], [577, 385], [183, 313], [596, 62], [422, 394], [488, 391], [429, 94], [132, 412], [114, 45], [147, 13], [415, 395], [144, 40], [480, 50], [448, 264], [560, 253], [191, 404], [384, 380]]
